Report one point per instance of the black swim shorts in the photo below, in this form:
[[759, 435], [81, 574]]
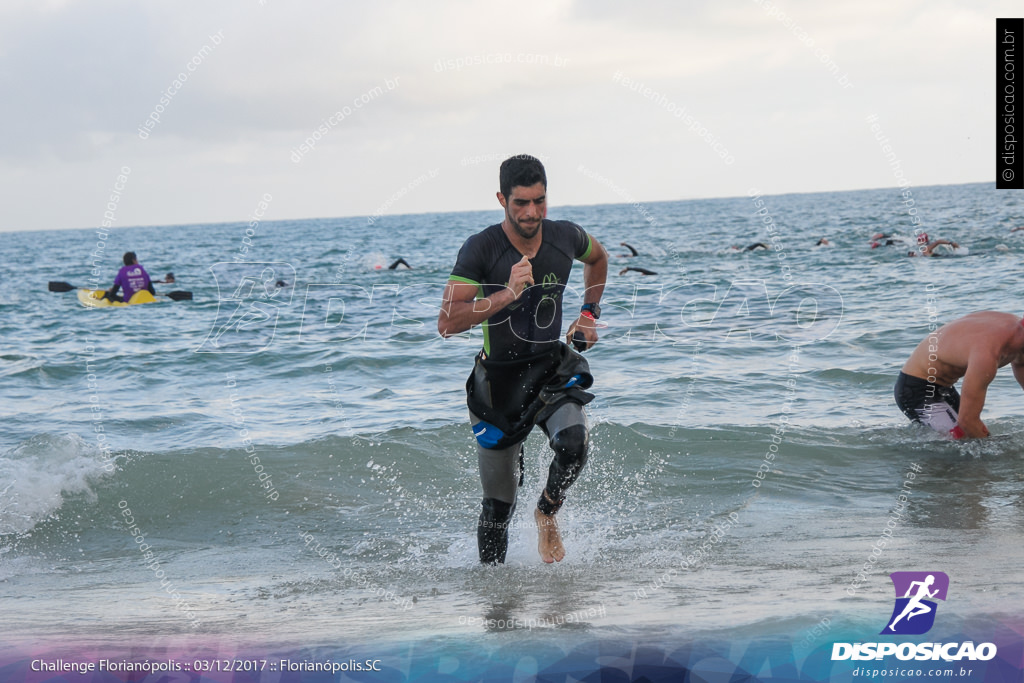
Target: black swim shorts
[[928, 403]]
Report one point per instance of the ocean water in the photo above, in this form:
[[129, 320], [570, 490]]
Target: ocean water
[[357, 522]]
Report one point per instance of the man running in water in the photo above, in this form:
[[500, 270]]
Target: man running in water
[[972, 347], [510, 278]]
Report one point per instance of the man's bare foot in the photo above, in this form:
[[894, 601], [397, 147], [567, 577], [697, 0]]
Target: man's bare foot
[[549, 541]]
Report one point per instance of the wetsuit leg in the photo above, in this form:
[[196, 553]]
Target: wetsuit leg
[[568, 435], [500, 475]]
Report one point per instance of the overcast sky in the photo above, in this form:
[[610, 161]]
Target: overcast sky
[[781, 90]]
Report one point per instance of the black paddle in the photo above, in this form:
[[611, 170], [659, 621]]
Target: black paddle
[[55, 286]]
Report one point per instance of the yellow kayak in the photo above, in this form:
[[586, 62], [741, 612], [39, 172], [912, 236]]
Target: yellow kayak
[[93, 298]]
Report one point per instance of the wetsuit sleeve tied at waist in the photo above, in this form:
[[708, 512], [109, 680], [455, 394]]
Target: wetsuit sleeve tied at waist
[[511, 397]]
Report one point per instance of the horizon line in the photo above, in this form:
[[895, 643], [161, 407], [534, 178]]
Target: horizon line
[[422, 213]]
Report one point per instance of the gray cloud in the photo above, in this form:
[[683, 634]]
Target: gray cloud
[[80, 77]]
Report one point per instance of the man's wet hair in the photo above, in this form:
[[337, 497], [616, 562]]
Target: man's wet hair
[[521, 170], [130, 259]]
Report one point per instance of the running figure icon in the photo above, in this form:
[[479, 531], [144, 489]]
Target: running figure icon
[[915, 606], [917, 594]]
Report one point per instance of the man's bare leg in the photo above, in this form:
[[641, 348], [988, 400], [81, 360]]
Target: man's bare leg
[[549, 540], [567, 435]]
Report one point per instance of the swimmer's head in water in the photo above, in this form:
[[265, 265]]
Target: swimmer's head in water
[[923, 238]]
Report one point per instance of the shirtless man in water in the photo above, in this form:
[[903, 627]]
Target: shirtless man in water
[[973, 348]]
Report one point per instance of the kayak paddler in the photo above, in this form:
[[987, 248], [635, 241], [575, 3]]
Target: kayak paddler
[[131, 278]]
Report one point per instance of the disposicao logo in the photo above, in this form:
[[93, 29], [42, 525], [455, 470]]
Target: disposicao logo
[[914, 614], [916, 593]]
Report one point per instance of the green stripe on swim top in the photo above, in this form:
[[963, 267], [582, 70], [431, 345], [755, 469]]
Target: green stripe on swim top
[[586, 254], [531, 323], [467, 281]]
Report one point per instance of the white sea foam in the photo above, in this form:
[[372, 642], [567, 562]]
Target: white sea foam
[[39, 474]]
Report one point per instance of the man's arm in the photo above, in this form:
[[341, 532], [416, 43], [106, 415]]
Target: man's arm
[[930, 249], [112, 292], [981, 370], [595, 274], [461, 310]]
